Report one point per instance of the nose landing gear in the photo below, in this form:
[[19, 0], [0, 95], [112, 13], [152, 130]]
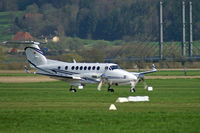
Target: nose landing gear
[[133, 83], [110, 89], [132, 90]]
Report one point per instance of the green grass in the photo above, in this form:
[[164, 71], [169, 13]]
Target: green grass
[[49, 107]]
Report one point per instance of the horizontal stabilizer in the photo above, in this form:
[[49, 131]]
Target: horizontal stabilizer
[[23, 42]]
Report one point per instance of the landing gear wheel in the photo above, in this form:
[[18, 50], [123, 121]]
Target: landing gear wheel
[[72, 90], [111, 90], [132, 90]]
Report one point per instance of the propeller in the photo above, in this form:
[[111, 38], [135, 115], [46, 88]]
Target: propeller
[[100, 86], [144, 83], [102, 79], [141, 79]]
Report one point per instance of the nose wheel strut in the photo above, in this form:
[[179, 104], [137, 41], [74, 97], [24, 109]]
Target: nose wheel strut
[[133, 83], [132, 90], [110, 89]]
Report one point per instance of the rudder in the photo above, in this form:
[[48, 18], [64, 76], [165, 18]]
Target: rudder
[[35, 56]]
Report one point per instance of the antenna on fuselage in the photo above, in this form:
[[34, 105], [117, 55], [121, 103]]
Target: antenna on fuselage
[[74, 60]]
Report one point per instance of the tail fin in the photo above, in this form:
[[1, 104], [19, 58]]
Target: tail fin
[[35, 56]]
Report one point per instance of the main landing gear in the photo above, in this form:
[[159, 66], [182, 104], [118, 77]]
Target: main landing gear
[[133, 83], [72, 89], [132, 90], [110, 89]]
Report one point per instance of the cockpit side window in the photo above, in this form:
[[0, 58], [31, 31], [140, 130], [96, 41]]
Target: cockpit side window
[[113, 67]]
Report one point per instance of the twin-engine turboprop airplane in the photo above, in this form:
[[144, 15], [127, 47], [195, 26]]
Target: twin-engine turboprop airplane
[[80, 74]]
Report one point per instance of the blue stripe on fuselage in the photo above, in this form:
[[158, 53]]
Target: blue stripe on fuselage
[[63, 71]]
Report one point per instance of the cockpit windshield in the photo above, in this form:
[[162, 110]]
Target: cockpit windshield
[[113, 67]]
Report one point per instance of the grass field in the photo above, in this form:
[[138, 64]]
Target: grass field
[[49, 107]]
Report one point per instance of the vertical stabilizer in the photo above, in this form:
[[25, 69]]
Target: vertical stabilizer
[[35, 56]]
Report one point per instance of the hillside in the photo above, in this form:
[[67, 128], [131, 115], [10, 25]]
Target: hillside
[[102, 20], [5, 25]]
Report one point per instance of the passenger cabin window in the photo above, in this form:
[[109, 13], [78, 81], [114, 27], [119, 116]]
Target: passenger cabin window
[[81, 68], [89, 67], [66, 67], [72, 68], [106, 68], [93, 68], [59, 67], [85, 68], [98, 68], [76, 67]]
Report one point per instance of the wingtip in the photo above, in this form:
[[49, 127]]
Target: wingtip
[[154, 67]]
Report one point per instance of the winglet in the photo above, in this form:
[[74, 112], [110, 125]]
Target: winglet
[[154, 67]]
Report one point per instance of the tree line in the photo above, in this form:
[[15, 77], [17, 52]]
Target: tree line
[[101, 19]]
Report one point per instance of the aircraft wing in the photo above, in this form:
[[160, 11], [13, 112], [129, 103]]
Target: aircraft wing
[[61, 77], [141, 74], [73, 78], [54, 74], [146, 72]]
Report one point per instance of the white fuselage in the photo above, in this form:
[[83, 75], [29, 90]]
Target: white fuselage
[[88, 72]]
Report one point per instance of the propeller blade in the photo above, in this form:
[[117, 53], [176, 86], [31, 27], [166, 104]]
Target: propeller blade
[[100, 86], [103, 78], [144, 83]]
